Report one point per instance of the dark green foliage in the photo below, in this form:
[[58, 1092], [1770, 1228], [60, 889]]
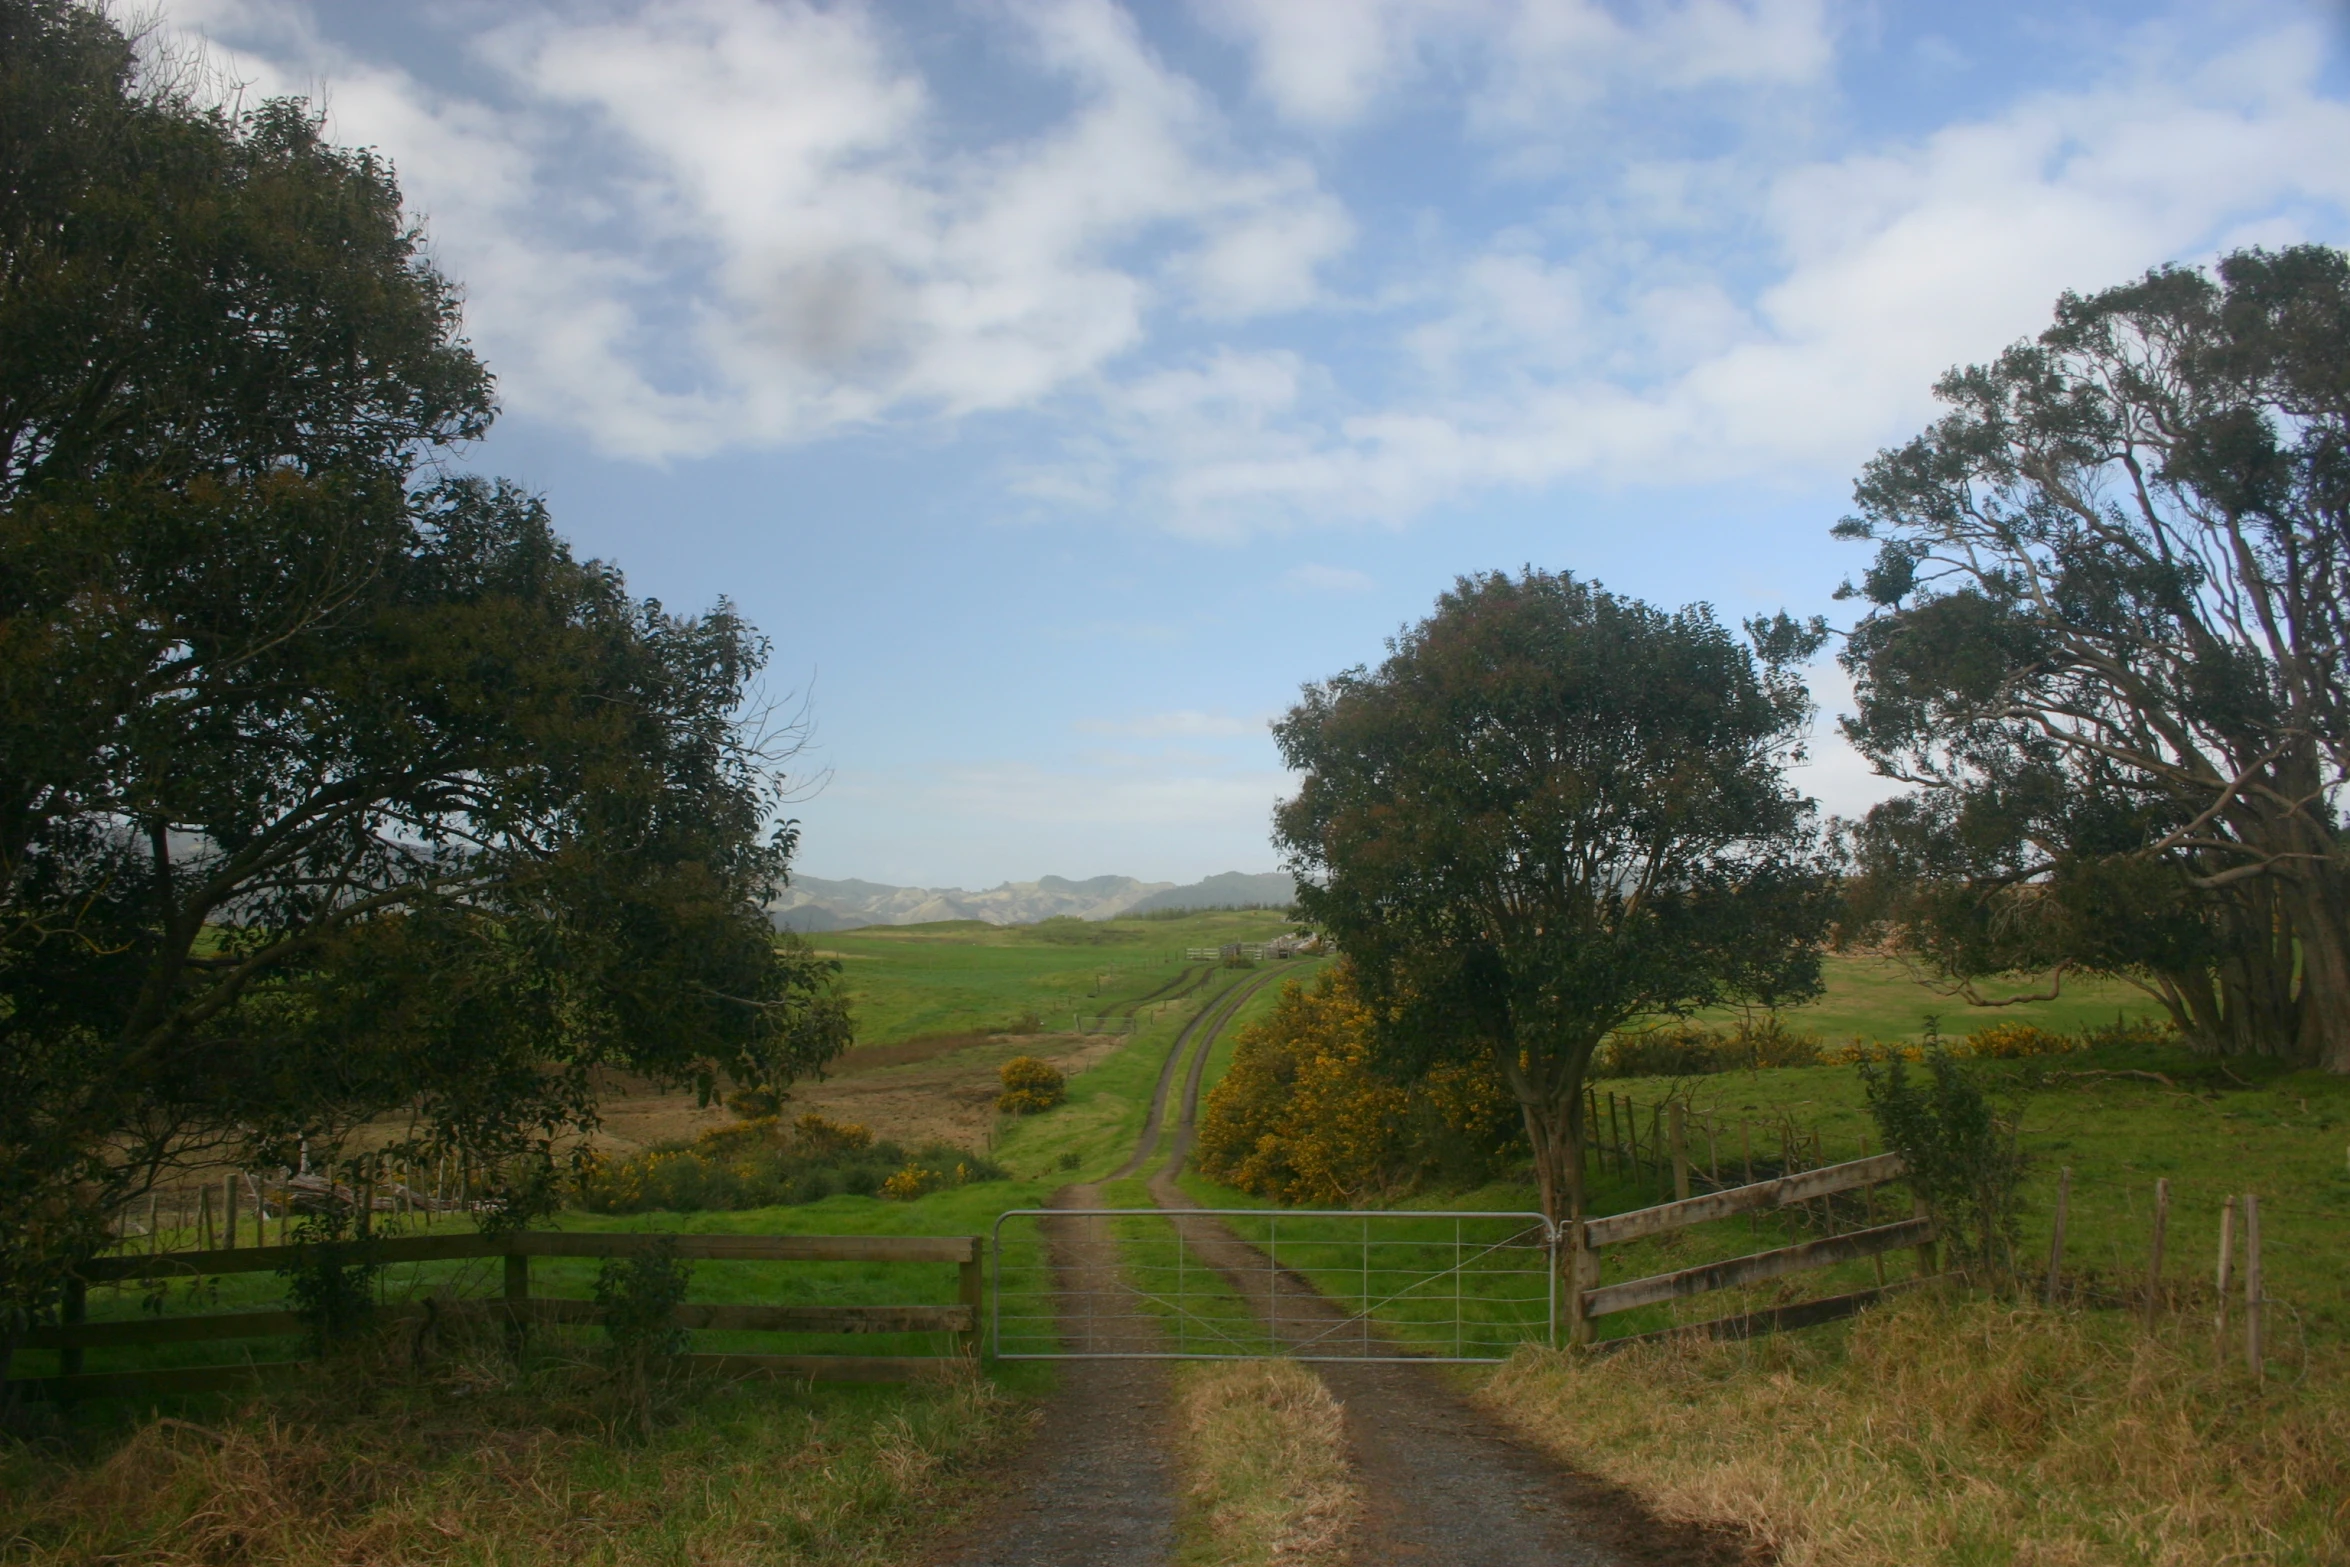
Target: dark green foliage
[[1550, 812], [1965, 1161], [639, 1296], [2108, 626], [330, 1283], [330, 783]]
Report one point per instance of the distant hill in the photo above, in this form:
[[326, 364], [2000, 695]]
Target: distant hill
[[814, 905], [1233, 889], [811, 903]]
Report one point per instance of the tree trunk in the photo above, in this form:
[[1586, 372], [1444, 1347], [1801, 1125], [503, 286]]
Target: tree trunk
[[2322, 924]]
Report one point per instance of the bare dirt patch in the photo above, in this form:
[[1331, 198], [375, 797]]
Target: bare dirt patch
[[944, 1094]]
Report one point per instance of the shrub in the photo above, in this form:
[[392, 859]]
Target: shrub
[[1025, 1023], [1030, 1085], [929, 1172], [1963, 1155], [639, 1297], [330, 1281], [756, 1104], [825, 1139], [1301, 1116], [2131, 1033], [2009, 1041], [1688, 1050], [758, 1165]]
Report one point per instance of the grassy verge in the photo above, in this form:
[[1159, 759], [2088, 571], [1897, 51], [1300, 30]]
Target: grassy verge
[[478, 1457], [1262, 1454], [1964, 1431]]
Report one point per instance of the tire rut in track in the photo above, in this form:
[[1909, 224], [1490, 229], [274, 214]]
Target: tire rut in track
[[1097, 1486], [1448, 1485]]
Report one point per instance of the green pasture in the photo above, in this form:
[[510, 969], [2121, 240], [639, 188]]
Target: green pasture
[[913, 981], [2217, 1129], [1877, 998]]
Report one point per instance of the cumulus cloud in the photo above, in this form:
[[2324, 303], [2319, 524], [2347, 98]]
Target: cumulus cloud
[[1542, 359], [692, 224], [689, 225]]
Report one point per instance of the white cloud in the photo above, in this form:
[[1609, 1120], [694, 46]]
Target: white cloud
[[692, 224], [1329, 579], [1894, 264], [1528, 64]]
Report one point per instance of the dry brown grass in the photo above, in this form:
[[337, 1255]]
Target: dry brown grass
[[1265, 1475], [483, 1464], [1965, 1431]]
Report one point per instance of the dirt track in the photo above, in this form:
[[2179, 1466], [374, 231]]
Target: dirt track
[[1449, 1487]]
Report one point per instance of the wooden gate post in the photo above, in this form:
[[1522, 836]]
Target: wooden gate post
[[971, 1290], [1582, 1274]]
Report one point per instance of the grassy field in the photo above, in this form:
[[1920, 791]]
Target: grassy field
[[911, 981], [1877, 998]]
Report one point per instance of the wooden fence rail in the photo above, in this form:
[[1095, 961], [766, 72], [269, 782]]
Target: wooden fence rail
[[75, 1335], [1589, 1300]]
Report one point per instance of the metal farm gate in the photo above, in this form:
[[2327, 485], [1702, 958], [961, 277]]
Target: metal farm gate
[[1213, 1283]]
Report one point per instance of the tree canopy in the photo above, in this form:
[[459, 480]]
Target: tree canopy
[[2107, 634], [1550, 812], [331, 784]]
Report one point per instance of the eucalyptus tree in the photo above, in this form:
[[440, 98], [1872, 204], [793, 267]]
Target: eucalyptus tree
[[331, 785], [1549, 812], [2106, 635]]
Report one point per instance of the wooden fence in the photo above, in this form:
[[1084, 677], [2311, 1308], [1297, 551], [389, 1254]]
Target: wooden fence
[[1588, 1299], [75, 1335]]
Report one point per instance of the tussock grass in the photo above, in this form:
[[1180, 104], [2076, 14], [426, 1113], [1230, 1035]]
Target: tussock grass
[[1955, 1430], [1265, 1476], [481, 1461]]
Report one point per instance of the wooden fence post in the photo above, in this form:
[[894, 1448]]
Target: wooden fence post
[[971, 1290], [2161, 1234], [1582, 1274], [1746, 1147], [2064, 1193], [228, 1208], [1680, 1121], [204, 1236], [1713, 1155], [2227, 1258], [2254, 1297], [1928, 1262]]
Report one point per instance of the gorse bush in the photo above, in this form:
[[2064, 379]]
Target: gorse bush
[[1690, 1050], [1963, 1154], [1302, 1117], [760, 1164], [1030, 1085], [330, 1282]]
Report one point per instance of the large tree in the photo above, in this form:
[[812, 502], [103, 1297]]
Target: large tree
[[1550, 812], [2107, 636], [330, 785]]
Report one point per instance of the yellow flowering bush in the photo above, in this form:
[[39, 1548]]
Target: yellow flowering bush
[[2008, 1041], [1302, 1117], [1030, 1085]]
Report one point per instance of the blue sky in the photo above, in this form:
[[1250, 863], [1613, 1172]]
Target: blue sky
[[1060, 385]]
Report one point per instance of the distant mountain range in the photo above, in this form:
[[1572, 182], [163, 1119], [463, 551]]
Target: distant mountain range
[[811, 903]]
